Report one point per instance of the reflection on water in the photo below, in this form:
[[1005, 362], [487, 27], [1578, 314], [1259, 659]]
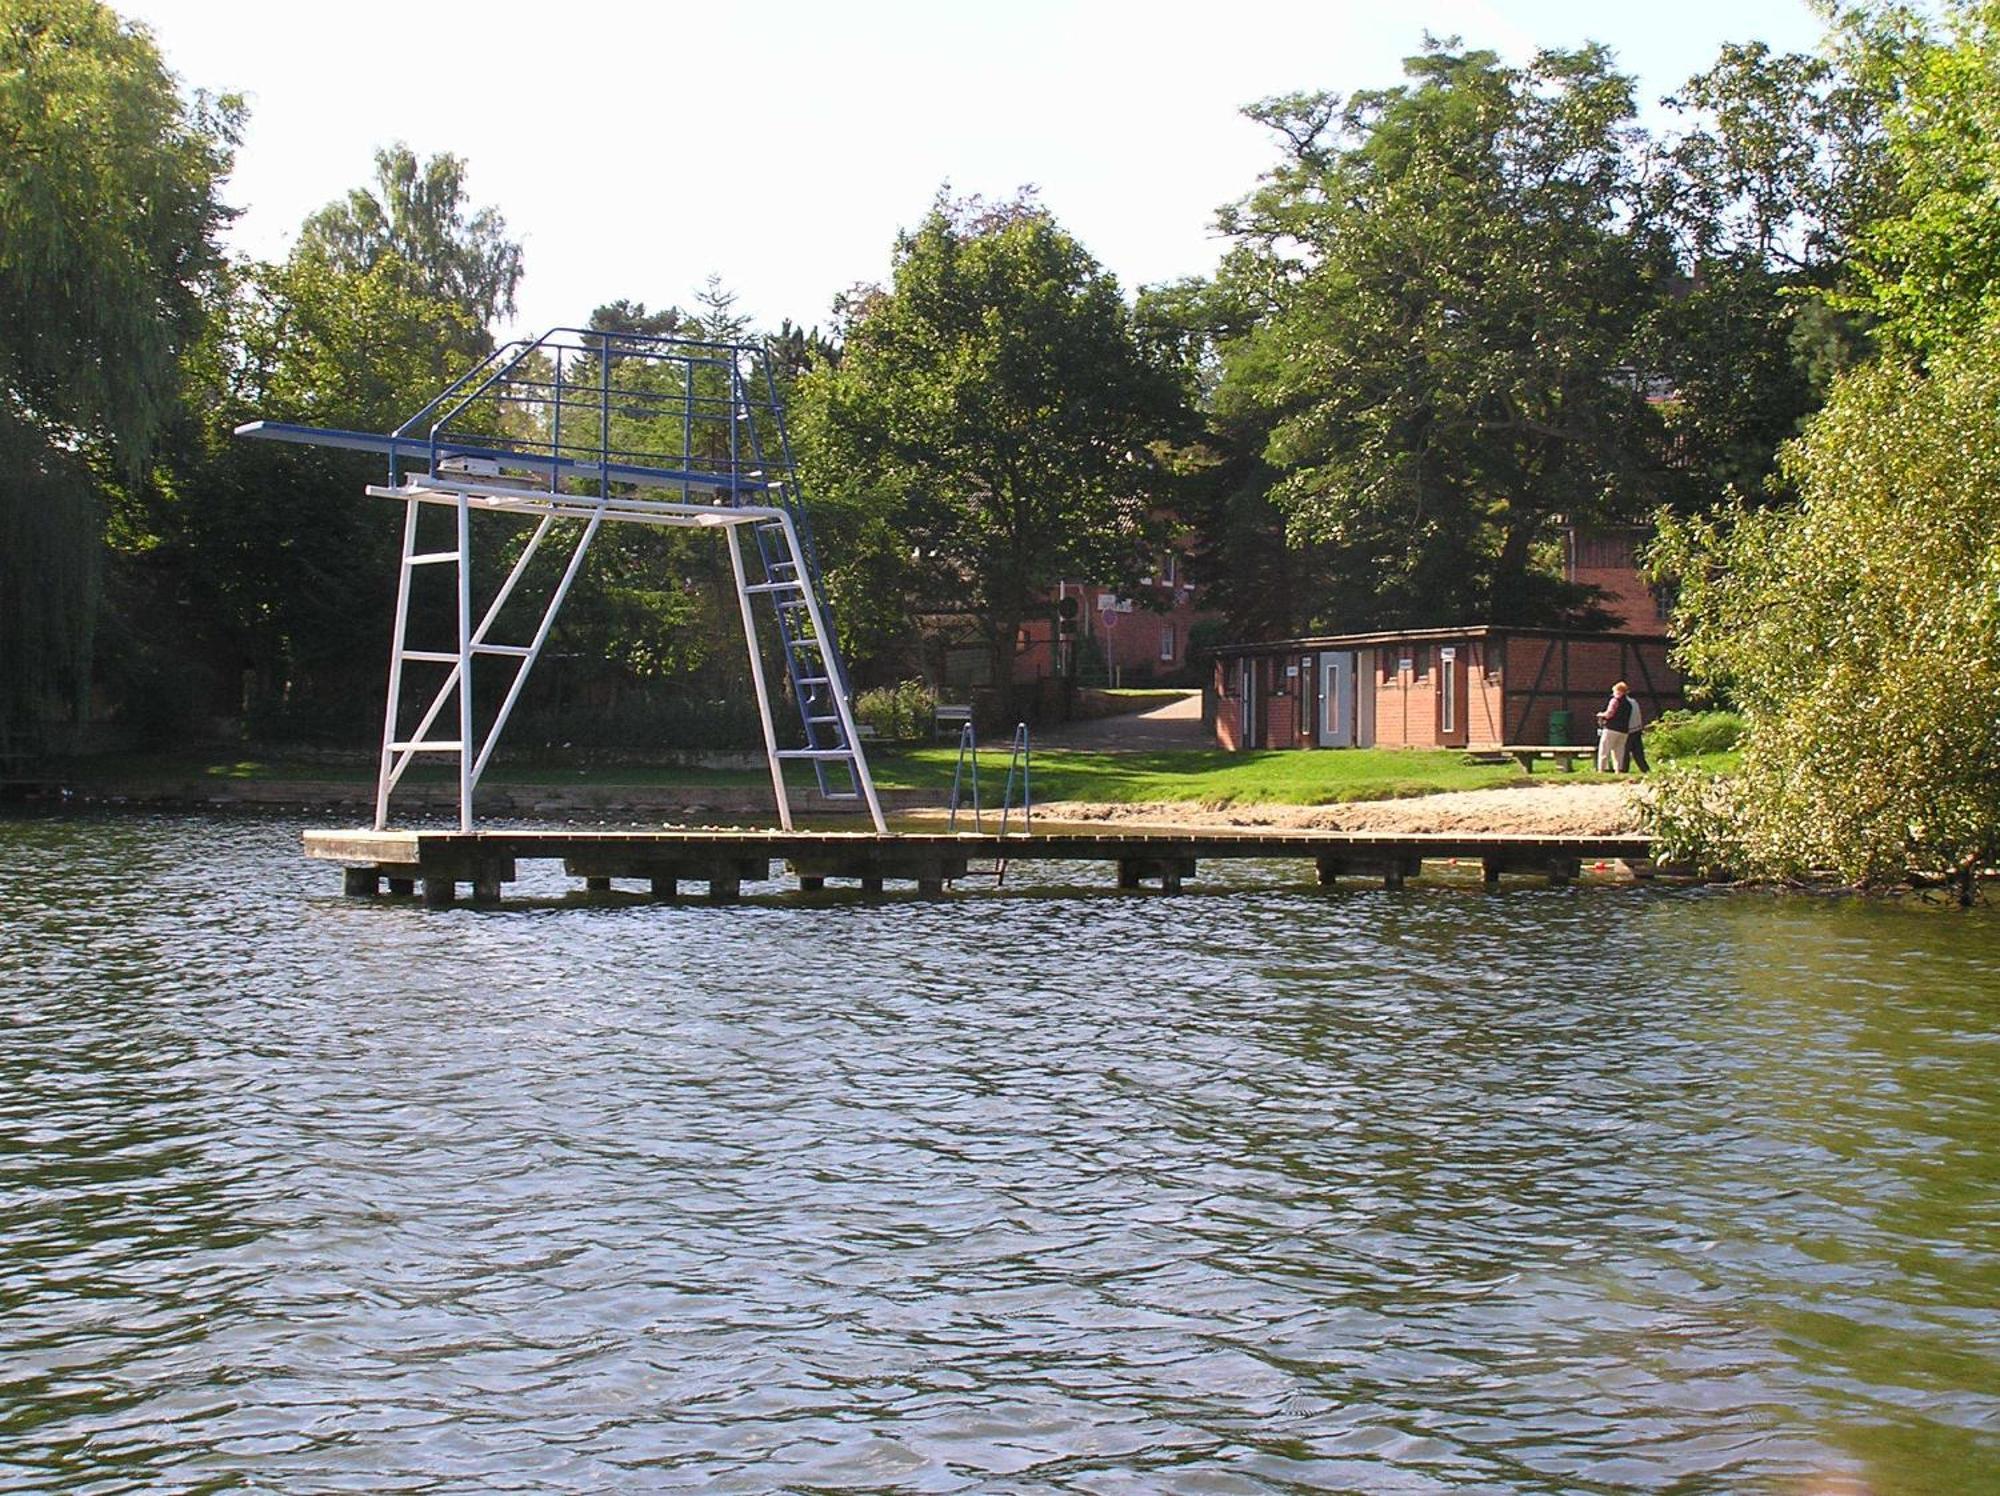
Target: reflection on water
[[1549, 1191]]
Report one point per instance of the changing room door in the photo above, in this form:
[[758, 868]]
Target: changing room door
[[1451, 703], [1336, 700]]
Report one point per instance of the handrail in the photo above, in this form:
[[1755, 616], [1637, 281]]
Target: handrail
[[1020, 754], [451, 389], [1020, 757], [967, 746]]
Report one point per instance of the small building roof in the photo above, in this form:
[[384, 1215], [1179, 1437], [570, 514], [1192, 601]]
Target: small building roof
[[1424, 636]]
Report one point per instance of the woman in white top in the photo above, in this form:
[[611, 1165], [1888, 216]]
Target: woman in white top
[[1615, 724]]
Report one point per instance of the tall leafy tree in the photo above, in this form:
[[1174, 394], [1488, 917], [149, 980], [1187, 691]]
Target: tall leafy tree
[[1859, 631], [109, 216], [996, 413], [1460, 273], [1763, 191], [266, 563], [1928, 265], [416, 218]]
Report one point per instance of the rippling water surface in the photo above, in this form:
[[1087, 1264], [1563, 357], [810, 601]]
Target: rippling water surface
[[1255, 1189]]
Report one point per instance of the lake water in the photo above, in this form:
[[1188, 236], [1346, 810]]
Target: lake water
[[1256, 1189]]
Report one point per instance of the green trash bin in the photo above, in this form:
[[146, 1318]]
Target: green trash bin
[[1559, 728]]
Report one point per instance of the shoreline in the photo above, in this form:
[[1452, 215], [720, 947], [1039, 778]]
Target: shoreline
[[1540, 807]]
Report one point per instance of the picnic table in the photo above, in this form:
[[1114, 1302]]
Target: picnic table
[[1527, 754]]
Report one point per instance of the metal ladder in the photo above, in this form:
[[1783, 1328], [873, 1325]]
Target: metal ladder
[[789, 576]]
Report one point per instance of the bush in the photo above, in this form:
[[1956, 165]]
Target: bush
[[1859, 632], [898, 714], [1692, 734]]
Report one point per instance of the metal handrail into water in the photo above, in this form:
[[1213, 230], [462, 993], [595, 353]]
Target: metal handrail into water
[[1020, 761]]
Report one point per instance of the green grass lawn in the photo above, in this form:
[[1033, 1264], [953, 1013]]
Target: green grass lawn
[[1277, 776], [1206, 775]]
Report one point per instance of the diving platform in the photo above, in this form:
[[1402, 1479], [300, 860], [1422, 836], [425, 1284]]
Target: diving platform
[[510, 475], [438, 864]]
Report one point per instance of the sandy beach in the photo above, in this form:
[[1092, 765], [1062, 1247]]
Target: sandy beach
[[1543, 807]]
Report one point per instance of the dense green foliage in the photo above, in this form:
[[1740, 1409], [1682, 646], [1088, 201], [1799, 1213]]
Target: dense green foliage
[[1859, 628], [994, 410], [415, 222], [902, 713], [1860, 634], [1928, 264], [1468, 310], [108, 263], [1684, 734], [1450, 360]]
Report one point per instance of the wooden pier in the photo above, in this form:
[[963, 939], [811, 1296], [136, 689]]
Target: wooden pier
[[438, 863]]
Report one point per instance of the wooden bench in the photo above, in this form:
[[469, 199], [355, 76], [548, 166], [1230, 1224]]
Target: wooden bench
[[1525, 754], [950, 719]]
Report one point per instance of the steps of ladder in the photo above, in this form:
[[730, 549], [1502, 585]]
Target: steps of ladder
[[432, 558], [827, 754]]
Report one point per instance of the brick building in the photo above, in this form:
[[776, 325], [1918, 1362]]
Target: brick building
[[1125, 638], [1474, 687]]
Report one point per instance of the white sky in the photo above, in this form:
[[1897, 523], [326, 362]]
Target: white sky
[[636, 147]]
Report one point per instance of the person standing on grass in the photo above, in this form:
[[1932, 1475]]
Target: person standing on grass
[[1614, 725], [1635, 739]]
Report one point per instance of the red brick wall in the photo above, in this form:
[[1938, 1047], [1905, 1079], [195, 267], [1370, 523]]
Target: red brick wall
[[1594, 665], [1485, 696], [1609, 560], [1281, 719], [1130, 641], [1500, 674], [1406, 702], [1228, 714]]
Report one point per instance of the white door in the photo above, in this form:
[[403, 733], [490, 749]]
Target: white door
[[1336, 700]]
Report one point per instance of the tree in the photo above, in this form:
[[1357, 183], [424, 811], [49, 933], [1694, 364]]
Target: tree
[[416, 218], [1763, 194], [1460, 274], [996, 415], [1860, 634], [268, 558], [1264, 587], [109, 216], [1859, 626], [1928, 267]]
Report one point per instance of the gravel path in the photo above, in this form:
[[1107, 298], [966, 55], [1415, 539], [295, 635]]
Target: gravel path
[[1174, 725]]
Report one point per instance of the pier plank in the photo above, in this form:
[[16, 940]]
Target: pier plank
[[725, 859]]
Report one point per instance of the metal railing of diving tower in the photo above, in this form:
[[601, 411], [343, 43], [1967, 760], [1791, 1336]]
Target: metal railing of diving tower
[[604, 427]]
